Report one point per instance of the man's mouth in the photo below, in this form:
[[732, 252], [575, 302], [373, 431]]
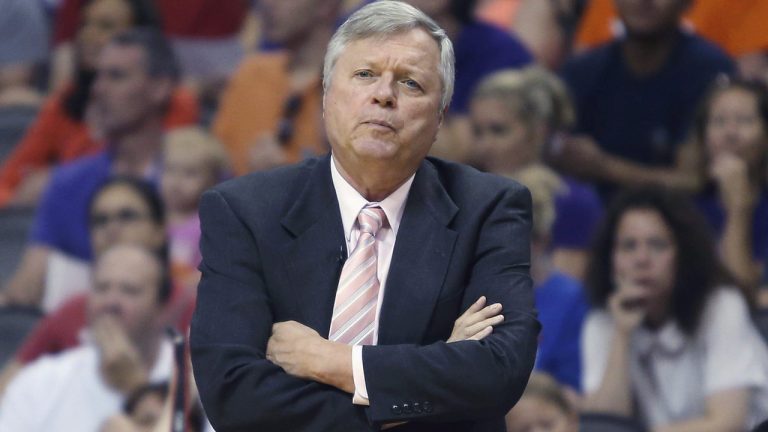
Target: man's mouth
[[380, 123]]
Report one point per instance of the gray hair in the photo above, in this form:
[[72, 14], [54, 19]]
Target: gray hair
[[387, 17]]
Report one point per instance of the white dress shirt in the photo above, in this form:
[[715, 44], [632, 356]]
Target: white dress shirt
[[673, 374], [350, 205], [65, 392]]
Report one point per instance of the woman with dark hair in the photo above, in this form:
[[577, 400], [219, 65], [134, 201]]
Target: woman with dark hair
[[732, 131], [62, 131], [669, 342]]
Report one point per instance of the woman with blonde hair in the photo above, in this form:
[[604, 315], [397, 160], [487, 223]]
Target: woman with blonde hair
[[518, 117]]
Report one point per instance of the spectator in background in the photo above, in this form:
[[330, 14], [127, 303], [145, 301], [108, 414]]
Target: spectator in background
[[136, 78], [79, 389], [635, 98], [23, 49], [545, 27], [740, 31], [61, 132], [205, 35], [516, 118], [123, 210], [480, 49], [670, 341], [270, 112], [560, 299], [193, 161], [732, 129], [542, 408]]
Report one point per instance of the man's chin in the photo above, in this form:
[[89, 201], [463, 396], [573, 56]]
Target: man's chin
[[376, 149]]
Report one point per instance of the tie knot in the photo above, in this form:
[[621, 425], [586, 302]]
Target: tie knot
[[371, 219]]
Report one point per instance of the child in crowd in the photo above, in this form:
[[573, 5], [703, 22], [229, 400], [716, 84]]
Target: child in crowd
[[193, 162], [542, 408]]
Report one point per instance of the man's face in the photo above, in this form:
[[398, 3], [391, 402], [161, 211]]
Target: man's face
[[126, 285], [383, 103], [124, 94], [647, 18]]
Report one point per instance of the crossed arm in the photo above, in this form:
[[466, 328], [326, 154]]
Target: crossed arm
[[242, 389], [303, 353]]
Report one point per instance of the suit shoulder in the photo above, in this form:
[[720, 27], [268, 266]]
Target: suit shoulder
[[266, 185], [464, 180]]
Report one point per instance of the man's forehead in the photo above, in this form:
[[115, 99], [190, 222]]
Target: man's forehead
[[417, 45]]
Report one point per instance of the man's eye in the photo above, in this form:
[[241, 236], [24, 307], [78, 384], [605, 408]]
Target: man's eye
[[412, 84], [364, 74]]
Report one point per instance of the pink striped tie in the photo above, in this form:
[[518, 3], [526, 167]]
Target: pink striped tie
[[354, 311]]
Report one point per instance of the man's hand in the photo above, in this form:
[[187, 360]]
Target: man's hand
[[303, 353], [120, 363], [477, 322]]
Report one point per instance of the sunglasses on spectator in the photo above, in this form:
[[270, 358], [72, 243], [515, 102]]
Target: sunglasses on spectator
[[123, 216]]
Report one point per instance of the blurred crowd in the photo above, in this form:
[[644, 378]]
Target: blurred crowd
[[639, 126]]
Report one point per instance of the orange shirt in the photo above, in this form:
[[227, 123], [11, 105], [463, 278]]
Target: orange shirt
[[736, 29], [54, 137], [252, 106], [500, 13]]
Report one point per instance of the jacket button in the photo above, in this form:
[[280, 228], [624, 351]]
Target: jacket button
[[407, 408], [417, 409], [396, 409], [427, 407]]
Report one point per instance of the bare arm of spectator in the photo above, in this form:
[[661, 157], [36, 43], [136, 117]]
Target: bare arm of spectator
[[614, 393], [739, 199], [62, 66], [725, 412], [581, 156], [27, 284], [31, 188], [9, 371], [536, 23]]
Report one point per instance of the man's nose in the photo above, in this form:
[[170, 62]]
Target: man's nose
[[384, 92]]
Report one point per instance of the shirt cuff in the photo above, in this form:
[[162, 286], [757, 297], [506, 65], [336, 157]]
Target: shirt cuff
[[358, 375]]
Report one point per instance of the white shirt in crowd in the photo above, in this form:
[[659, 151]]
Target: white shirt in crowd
[[65, 392], [672, 374]]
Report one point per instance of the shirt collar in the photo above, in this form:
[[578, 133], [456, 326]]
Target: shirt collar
[[351, 202], [668, 340]]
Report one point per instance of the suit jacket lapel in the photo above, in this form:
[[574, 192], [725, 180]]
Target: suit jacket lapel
[[420, 260], [313, 258]]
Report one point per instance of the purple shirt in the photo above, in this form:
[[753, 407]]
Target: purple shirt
[[577, 214], [482, 49]]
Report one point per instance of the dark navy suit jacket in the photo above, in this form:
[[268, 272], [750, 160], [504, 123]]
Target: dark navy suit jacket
[[273, 248]]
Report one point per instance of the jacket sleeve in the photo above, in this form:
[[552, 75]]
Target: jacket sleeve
[[468, 380], [239, 388]]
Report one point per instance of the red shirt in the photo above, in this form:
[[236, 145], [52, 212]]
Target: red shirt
[[54, 137]]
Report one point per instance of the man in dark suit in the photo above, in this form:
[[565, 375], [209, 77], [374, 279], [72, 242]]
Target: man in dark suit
[[294, 333]]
